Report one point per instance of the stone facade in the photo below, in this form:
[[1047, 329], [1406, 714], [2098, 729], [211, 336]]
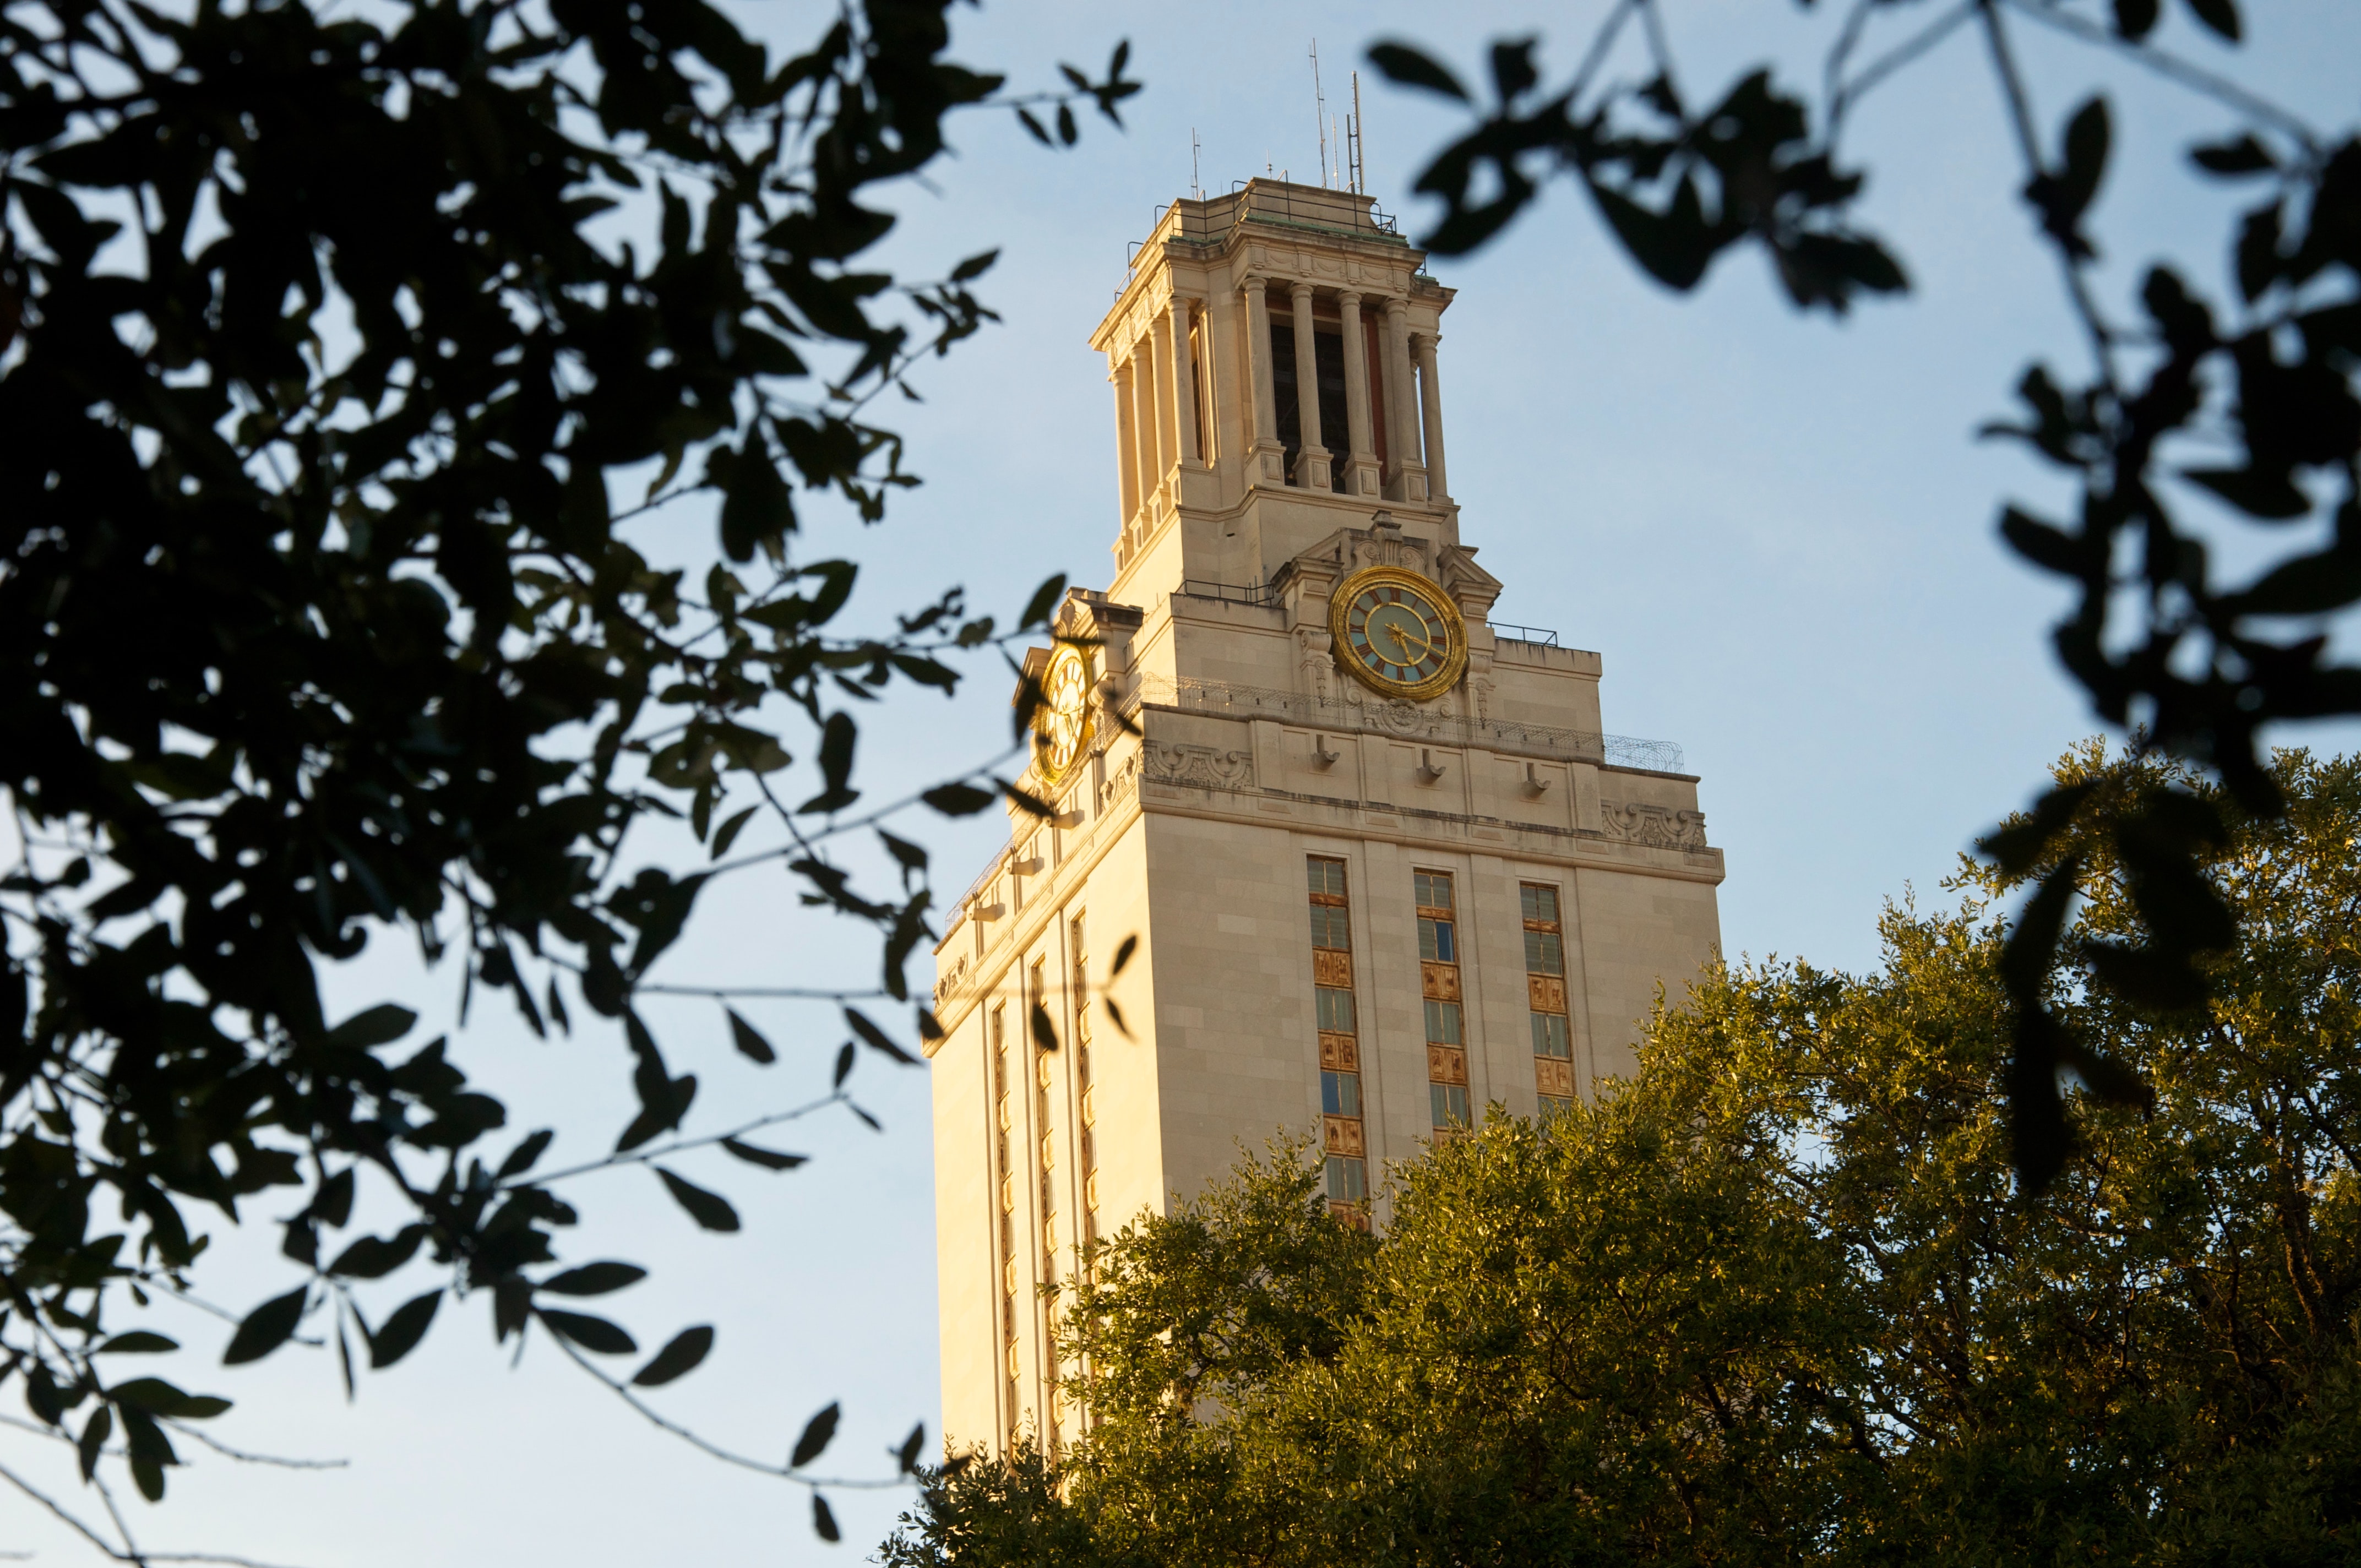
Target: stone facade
[[1229, 748]]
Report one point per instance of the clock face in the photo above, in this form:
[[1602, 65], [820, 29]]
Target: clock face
[[1061, 729], [1398, 633]]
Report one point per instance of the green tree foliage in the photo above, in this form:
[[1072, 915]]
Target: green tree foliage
[[1778, 1300], [328, 339], [2189, 410]]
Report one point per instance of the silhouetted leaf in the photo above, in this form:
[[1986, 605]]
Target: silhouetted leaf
[[749, 1040], [1412, 68], [2222, 15], [877, 1038], [591, 1333], [958, 799], [728, 834], [824, 1519], [593, 1280], [709, 1210], [400, 1332], [2240, 155], [769, 1160], [1044, 600], [816, 1435], [381, 1024], [905, 1458], [267, 1327], [676, 1359]]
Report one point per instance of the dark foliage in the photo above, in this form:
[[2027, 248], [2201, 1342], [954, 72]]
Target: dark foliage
[[324, 344]]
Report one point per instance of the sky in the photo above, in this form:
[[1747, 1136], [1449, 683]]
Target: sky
[[1778, 530]]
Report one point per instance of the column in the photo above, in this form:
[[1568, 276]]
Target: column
[[1430, 404], [1143, 421], [1311, 467], [1159, 398], [1266, 407], [1126, 449], [1402, 424], [1362, 477], [1185, 383]]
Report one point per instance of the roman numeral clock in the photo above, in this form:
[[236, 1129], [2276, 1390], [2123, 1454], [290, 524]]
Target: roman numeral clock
[[1391, 629]]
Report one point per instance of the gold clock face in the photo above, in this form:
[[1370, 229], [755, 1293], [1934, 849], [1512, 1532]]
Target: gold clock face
[[1396, 631], [1062, 728]]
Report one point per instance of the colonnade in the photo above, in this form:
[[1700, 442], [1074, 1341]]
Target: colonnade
[[1393, 441]]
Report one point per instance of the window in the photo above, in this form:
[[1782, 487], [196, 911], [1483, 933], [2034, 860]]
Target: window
[[1446, 1048], [1004, 1115], [1327, 879], [1437, 940], [1342, 1129], [1545, 988], [1442, 1022], [1450, 1104], [1086, 1139]]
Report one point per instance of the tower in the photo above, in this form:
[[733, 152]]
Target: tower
[[1329, 852]]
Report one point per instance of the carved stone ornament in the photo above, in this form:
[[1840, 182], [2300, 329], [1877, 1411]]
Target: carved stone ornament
[[1122, 784], [1653, 827], [1198, 767], [1311, 648]]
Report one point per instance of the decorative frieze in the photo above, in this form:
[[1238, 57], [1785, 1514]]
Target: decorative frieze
[[1197, 767], [1653, 827]]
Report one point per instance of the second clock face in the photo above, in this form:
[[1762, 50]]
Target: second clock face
[[1061, 725], [1398, 633]]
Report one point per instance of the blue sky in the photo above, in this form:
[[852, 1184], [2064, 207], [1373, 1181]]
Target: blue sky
[[1777, 529]]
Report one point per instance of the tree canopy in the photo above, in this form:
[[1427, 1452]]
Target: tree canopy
[[2190, 420], [1778, 1300], [330, 342]]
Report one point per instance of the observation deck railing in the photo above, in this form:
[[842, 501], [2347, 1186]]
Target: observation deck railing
[[1403, 721]]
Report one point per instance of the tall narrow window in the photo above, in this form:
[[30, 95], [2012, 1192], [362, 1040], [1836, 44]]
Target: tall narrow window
[[1341, 1126], [1037, 1014], [1328, 352], [1203, 388], [1438, 953], [1545, 988], [1288, 411], [1003, 1117], [1086, 1139]]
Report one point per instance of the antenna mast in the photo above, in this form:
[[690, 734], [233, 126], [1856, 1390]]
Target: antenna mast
[[1320, 111], [1196, 190], [1353, 129]]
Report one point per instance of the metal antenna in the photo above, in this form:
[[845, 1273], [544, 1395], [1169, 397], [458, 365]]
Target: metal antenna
[[1195, 189], [1320, 111], [1360, 162]]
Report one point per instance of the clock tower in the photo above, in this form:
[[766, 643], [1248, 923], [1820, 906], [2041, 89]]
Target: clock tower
[[1330, 851]]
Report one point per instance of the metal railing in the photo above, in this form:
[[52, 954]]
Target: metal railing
[[1515, 633], [1405, 721], [1230, 593]]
